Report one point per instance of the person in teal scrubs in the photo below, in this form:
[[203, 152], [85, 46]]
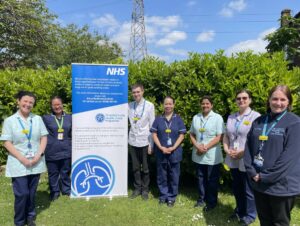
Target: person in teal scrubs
[[206, 132], [25, 138]]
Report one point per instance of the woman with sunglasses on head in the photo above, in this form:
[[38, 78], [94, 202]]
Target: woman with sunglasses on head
[[168, 133], [205, 133], [272, 159], [237, 128], [59, 148], [25, 138]]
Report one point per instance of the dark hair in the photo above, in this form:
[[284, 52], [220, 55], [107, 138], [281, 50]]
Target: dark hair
[[286, 90], [244, 91], [137, 85], [23, 93], [207, 97], [56, 97], [169, 97]]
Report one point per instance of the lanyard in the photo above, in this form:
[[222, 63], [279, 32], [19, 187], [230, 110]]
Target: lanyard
[[27, 134], [238, 124], [135, 113], [168, 127], [266, 132], [60, 125], [202, 128]]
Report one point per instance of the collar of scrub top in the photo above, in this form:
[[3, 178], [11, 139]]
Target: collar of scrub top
[[247, 112], [174, 115], [19, 115], [210, 114]]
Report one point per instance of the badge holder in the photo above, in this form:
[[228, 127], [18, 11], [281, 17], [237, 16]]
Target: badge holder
[[60, 136]]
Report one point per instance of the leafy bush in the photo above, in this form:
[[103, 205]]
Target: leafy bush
[[187, 81]]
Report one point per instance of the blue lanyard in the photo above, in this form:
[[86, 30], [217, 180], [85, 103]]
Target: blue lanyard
[[135, 113], [265, 131], [238, 124], [28, 135], [202, 126]]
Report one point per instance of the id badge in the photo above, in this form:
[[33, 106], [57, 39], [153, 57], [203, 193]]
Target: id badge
[[29, 155], [60, 136], [258, 161], [236, 145], [169, 142]]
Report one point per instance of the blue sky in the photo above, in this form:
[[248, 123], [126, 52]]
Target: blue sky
[[174, 28]]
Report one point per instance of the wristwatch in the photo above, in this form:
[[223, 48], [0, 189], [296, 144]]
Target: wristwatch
[[42, 154]]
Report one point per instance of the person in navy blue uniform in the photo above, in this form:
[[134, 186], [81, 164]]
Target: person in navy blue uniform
[[58, 150], [168, 133], [272, 159]]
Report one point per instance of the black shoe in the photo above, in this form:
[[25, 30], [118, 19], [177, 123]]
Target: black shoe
[[170, 203], [31, 222], [161, 202], [199, 204], [233, 217], [145, 196], [135, 194], [208, 208]]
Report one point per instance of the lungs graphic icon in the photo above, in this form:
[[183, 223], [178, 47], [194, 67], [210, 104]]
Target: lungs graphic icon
[[92, 176]]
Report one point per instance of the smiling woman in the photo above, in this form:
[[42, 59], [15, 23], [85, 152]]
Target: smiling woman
[[272, 159], [25, 137]]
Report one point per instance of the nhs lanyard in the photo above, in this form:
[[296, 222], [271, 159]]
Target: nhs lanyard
[[26, 132], [59, 125], [168, 127], [264, 136], [135, 112], [238, 124]]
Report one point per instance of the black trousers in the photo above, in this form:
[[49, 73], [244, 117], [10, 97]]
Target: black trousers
[[24, 189], [274, 210], [59, 177], [139, 157]]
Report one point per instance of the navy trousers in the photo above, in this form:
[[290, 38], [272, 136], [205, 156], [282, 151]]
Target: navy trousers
[[208, 183], [244, 197], [168, 180], [59, 177], [140, 168], [24, 189]]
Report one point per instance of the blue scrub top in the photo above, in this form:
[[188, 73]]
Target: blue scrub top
[[58, 149], [12, 131], [177, 127]]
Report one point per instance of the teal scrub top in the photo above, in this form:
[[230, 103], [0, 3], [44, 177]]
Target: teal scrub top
[[214, 125], [12, 131]]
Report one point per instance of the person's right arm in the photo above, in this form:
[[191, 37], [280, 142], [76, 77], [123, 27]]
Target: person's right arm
[[14, 152]]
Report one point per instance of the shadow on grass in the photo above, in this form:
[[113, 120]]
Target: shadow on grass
[[42, 201]]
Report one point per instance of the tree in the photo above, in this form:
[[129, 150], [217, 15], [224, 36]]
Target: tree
[[30, 37], [286, 39]]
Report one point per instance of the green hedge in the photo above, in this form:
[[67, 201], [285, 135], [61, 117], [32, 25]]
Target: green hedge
[[187, 81]]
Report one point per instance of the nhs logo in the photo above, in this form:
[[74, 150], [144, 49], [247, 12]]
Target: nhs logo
[[115, 71]]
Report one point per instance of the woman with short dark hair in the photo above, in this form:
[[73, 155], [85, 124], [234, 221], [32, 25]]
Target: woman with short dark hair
[[25, 138]]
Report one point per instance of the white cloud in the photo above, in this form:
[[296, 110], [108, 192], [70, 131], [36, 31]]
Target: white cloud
[[164, 24], [233, 6], [172, 38], [256, 45], [191, 3], [238, 5], [108, 21], [206, 36], [178, 52], [122, 36]]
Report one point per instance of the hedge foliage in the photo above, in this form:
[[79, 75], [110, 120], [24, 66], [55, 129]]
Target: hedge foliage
[[187, 81]]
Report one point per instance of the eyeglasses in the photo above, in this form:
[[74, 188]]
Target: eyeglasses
[[241, 98]]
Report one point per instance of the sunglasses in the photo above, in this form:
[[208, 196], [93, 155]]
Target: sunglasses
[[241, 98]]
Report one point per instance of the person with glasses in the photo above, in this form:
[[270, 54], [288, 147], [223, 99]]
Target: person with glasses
[[25, 138], [206, 133], [168, 133], [272, 159], [237, 128], [141, 115], [59, 149]]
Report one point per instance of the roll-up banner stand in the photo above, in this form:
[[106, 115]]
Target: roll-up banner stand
[[100, 130]]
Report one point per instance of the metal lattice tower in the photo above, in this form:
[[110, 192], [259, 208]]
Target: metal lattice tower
[[138, 47]]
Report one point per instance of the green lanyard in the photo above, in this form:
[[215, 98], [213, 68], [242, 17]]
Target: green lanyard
[[60, 125]]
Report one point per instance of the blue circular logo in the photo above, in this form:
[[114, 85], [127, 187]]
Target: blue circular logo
[[92, 176], [100, 117]]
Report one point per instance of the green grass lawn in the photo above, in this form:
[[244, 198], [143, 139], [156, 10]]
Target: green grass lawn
[[121, 211]]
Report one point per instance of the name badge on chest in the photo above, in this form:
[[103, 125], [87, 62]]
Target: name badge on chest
[[169, 141], [60, 136]]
